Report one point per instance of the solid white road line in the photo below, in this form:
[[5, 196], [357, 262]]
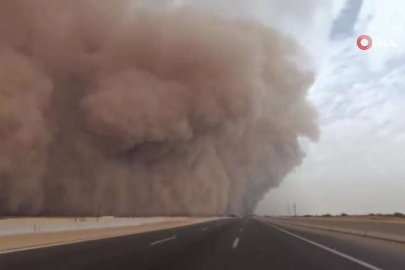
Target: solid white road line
[[45, 246], [63, 243], [235, 243], [343, 255], [163, 240], [204, 229]]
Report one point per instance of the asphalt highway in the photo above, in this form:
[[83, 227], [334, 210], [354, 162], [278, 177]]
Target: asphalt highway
[[235, 243]]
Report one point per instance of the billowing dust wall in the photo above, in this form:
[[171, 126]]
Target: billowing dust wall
[[107, 108]]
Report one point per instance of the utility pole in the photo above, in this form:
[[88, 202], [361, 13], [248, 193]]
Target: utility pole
[[98, 212], [295, 210]]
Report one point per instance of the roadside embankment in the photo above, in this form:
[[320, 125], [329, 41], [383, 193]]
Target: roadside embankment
[[393, 230]]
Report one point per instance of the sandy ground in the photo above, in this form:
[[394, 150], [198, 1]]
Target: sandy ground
[[10, 242], [57, 221]]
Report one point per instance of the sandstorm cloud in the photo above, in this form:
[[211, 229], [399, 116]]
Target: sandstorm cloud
[[107, 107]]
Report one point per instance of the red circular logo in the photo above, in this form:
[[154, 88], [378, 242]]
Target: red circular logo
[[369, 42]]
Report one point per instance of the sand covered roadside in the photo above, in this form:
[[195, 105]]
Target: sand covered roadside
[[16, 241], [376, 218]]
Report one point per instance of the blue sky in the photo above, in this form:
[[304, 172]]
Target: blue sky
[[358, 165]]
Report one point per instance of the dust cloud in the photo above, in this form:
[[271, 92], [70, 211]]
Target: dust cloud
[[111, 108]]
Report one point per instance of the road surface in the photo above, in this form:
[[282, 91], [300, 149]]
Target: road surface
[[236, 243]]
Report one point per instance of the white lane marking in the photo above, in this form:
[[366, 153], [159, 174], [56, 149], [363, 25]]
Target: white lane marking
[[235, 243], [163, 240], [204, 229], [350, 258]]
